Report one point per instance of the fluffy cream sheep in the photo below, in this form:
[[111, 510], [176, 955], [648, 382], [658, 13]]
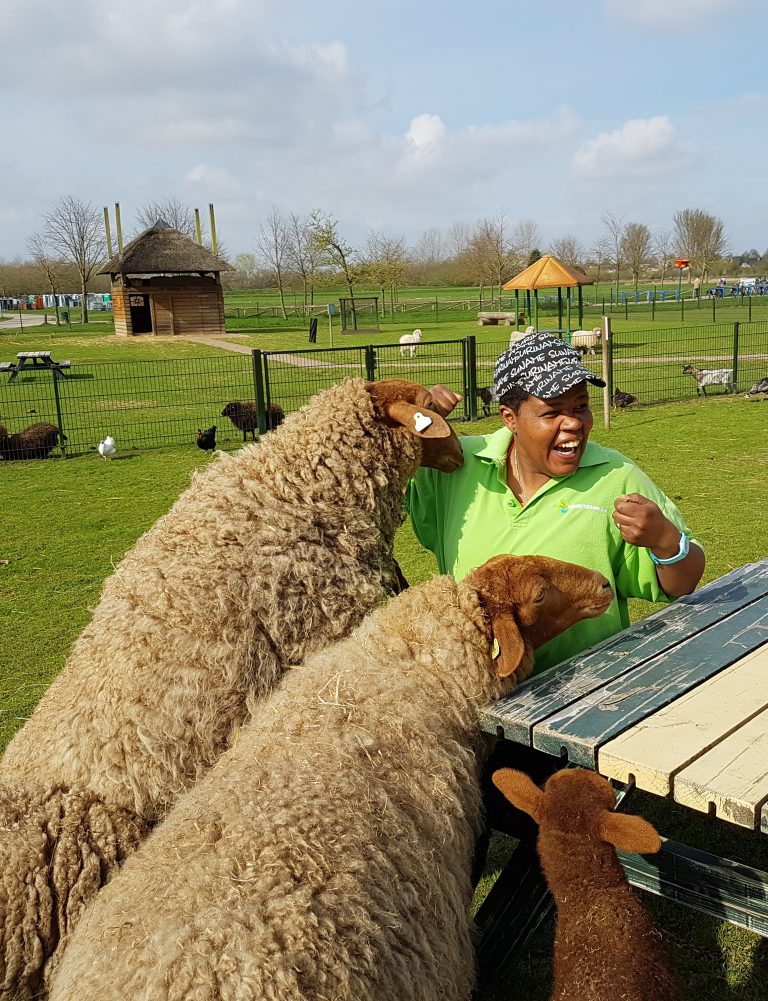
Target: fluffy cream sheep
[[606, 947], [271, 553], [328, 853], [586, 341]]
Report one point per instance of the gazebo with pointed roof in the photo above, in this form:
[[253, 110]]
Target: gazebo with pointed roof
[[164, 283], [549, 272]]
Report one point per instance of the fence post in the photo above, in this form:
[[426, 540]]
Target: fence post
[[55, 378], [714, 315], [735, 353], [470, 377], [607, 352], [258, 388], [370, 363]]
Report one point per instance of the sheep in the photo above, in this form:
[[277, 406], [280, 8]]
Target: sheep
[[272, 552], [606, 946], [409, 343], [760, 387], [586, 341], [206, 439], [245, 416], [34, 442], [328, 853], [518, 335], [710, 377]]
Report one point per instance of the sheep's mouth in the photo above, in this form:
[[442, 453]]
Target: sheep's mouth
[[598, 606]]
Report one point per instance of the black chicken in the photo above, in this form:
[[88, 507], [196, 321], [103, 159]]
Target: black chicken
[[206, 439], [623, 399]]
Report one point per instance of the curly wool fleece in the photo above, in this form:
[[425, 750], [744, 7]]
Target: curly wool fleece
[[272, 552]]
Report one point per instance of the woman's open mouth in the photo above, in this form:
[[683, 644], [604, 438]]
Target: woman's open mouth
[[567, 449]]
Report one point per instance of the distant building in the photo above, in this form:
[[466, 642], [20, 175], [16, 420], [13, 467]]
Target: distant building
[[164, 283]]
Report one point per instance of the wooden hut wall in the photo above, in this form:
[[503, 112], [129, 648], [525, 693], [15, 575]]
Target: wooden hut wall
[[179, 305], [120, 311]]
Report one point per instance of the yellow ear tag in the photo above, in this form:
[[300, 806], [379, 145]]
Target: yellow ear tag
[[495, 649]]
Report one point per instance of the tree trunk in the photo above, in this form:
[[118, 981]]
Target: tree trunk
[[84, 300], [282, 301]]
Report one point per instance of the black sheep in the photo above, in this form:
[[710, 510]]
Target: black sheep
[[34, 442], [623, 399], [245, 417], [206, 439]]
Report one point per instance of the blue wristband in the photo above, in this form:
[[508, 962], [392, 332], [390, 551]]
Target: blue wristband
[[679, 555]]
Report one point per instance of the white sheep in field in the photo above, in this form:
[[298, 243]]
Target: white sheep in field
[[586, 341], [518, 335], [710, 377], [606, 946], [409, 343], [274, 551], [327, 854]]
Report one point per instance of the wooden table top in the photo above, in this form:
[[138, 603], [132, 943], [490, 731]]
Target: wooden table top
[[677, 703]]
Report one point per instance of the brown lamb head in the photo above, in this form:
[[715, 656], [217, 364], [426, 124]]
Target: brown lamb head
[[408, 405]]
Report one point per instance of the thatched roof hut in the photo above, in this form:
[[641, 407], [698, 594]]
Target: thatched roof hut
[[165, 283]]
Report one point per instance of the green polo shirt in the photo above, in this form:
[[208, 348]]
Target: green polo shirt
[[468, 516]]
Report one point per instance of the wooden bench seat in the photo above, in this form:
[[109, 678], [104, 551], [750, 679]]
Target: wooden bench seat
[[6, 366], [488, 319]]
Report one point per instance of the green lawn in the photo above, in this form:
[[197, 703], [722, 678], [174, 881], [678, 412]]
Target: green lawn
[[67, 524]]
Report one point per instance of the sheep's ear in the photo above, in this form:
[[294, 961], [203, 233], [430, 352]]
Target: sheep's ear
[[418, 420], [513, 653], [520, 790], [629, 833]]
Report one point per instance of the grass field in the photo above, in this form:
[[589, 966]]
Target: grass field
[[67, 524]]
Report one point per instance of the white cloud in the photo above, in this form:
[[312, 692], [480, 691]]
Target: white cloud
[[215, 181], [643, 148], [665, 14]]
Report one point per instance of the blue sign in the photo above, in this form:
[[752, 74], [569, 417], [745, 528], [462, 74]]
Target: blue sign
[[331, 309]]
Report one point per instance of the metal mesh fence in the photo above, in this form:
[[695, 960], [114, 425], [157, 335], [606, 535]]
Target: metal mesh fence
[[144, 404]]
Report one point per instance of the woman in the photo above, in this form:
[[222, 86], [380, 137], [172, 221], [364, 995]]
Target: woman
[[539, 486]]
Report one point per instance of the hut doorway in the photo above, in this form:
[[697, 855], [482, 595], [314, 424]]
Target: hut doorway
[[141, 315]]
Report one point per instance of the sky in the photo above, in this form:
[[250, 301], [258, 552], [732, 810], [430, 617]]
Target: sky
[[395, 117]]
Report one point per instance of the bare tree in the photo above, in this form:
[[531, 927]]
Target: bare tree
[[615, 226], [385, 259], [302, 254], [50, 266], [600, 254], [171, 211], [636, 248], [333, 249], [246, 265], [663, 248], [489, 252], [272, 243], [570, 250], [74, 231], [700, 237], [525, 239]]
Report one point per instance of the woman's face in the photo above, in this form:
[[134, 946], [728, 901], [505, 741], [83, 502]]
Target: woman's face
[[551, 435]]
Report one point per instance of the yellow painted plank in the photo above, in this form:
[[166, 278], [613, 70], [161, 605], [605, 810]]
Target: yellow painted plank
[[653, 751], [731, 780]]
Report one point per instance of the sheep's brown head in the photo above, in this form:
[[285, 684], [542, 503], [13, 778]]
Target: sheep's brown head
[[408, 405], [579, 803], [531, 599]]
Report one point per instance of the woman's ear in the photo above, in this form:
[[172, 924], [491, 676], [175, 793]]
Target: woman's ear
[[509, 417]]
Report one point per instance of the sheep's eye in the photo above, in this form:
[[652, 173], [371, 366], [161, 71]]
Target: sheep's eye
[[540, 596]]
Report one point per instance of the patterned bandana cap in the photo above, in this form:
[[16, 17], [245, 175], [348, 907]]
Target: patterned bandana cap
[[541, 365]]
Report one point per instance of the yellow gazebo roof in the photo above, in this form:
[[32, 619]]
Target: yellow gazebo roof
[[548, 272]]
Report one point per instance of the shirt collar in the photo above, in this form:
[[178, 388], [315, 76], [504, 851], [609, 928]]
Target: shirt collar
[[497, 446]]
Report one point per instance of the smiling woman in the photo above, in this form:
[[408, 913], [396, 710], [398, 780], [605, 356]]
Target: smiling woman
[[539, 486]]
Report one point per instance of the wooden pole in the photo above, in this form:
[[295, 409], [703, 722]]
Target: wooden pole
[[606, 333], [108, 234], [119, 229], [214, 244], [198, 227]]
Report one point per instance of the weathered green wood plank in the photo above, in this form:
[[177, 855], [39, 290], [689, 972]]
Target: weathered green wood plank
[[580, 728], [542, 696]]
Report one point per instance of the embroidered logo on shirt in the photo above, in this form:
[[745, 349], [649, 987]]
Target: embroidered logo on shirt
[[565, 507]]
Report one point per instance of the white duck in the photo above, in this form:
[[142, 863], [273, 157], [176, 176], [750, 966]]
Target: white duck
[[107, 447]]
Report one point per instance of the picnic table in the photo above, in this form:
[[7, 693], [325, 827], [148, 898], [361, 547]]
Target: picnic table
[[34, 360], [676, 705]]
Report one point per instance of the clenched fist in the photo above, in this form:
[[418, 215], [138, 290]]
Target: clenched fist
[[642, 522]]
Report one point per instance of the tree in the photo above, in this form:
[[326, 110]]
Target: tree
[[302, 255], [663, 248], [385, 259], [247, 266], [615, 237], [600, 254], [273, 242], [636, 248], [489, 252], [333, 249], [171, 211], [700, 237], [74, 231], [526, 239], [50, 266], [570, 250]]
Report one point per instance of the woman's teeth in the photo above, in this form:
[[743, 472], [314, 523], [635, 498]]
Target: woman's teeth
[[567, 448]]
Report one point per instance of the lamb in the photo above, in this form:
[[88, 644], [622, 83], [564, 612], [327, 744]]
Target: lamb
[[328, 853], [710, 377], [409, 343], [586, 341], [287, 544], [245, 416], [34, 442], [606, 946], [760, 387], [518, 335]]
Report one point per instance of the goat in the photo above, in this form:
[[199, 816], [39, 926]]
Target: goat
[[409, 343], [245, 417], [621, 399], [486, 396], [34, 442], [606, 946], [710, 377]]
